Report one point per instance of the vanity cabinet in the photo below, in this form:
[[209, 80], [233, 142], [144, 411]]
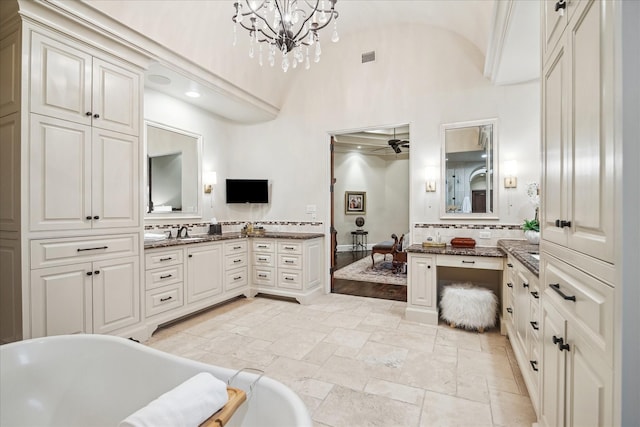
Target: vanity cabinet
[[521, 311], [236, 265], [578, 140], [164, 281], [70, 83], [287, 267]]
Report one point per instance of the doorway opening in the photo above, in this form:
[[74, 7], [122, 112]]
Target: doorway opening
[[369, 204]]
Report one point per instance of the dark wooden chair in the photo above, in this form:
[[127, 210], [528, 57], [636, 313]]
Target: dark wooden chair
[[386, 247], [399, 259]]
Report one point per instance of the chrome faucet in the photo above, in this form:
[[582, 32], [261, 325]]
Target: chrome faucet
[[186, 232]]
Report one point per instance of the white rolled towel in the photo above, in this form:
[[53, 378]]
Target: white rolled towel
[[187, 405], [466, 205]]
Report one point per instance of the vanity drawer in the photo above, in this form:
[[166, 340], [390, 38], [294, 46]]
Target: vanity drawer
[[236, 279], [289, 279], [586, 299], [480, 262], [163, 299], [263, 259], [290, 247], [235, 247], [164, 276], [263, 276], [237, 260], [290, 261], [162, 258], [54, 252], [264, 246]]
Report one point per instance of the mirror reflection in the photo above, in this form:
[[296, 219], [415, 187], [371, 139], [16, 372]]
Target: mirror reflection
[[173, 171], [470, 169]]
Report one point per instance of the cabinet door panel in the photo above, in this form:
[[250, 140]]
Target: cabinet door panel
[[592, 137], [204, 272], [116, 294], [61, 300], [60, 80], [552, 388], [60, 171], [114, 196], [555, 197], [422, 277], [116, 93]]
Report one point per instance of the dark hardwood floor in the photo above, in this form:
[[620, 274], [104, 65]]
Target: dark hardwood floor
[[364, 289]]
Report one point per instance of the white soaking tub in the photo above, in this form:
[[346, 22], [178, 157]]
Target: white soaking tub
[[98, 380]]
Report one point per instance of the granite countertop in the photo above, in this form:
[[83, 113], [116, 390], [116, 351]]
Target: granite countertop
[[449, 250], [522, 250], [203, 238]]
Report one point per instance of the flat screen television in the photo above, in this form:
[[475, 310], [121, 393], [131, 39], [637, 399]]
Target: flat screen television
[[247, 191]]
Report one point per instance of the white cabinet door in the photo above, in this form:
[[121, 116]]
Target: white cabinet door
[[589, 400], [70, 84], [552, 387], [522, 310], [60, 80], [60, 175], [116, 98], [555, 203], [422, 277], [114, 184], [204, 272], [61, 300], [591, 136], [116, 294]]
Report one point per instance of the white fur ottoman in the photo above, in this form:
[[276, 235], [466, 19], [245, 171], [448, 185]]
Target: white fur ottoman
[[469, 306]]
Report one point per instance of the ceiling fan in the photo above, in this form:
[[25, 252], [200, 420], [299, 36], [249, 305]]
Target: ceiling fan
[[396, 144]]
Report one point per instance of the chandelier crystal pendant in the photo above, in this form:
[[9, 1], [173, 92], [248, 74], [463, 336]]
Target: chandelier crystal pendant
[[289, 27]]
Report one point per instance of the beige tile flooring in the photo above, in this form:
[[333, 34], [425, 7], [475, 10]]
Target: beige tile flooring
[[355, 361]]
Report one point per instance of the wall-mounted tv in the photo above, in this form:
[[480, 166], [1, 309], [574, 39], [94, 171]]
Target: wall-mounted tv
[[247, 191]]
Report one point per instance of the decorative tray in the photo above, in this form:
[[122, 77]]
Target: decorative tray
[[433, 245]]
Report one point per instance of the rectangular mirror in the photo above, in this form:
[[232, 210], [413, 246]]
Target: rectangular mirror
[[173, 172], [469, 173]]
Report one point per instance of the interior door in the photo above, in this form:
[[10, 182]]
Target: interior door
[[334, 232]]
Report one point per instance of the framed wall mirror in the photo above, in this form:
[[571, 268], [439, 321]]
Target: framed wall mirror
[[173, 172], [469, 172]]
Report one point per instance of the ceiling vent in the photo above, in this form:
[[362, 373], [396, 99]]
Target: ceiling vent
[[369, 57]]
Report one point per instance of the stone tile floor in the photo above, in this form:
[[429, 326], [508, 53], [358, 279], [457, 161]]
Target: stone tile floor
[[355, 361]]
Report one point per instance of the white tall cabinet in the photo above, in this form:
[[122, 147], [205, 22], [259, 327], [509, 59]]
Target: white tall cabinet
[[580, 207], [70, 226]]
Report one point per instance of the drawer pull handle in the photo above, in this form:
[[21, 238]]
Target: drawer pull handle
[[96, 272], [561, 5], [535, 294], [237, 247], [262, 246], [237, 260], [262, 276], [561, 223], [560, 342], [169, 258], [556, 287], [288, 278], [89, 273], [509, 284], [263, 258], [92, 249], [468, 262], [290, 248], [534, 325], [237, 278], [288, 261], [96, 116], [166, 276], [509, 265], [525, 285], [165, 299], [534, 365], [509, 310], [88, 217]]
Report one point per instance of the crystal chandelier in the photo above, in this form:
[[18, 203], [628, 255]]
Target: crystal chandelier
[[288, 27]]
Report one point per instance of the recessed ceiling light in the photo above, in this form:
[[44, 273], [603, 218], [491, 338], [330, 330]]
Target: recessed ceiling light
[[359, 147], [158, 79], [192, 94]]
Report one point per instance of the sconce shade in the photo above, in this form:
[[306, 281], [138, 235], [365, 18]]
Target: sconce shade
[[210, 179], [431, 186], [510, 182]]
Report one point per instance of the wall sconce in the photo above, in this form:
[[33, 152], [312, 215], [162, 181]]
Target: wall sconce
[[510, 180], [430, 184], [210, 179]]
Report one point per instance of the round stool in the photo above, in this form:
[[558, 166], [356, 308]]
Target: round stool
[[468, 306]]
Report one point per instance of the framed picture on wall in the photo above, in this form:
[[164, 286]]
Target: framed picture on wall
[[355, 202]]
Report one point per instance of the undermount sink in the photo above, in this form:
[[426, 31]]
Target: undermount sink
[[188, 239], [154, 236]]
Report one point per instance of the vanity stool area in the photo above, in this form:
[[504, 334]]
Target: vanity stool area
[[510, 271]]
